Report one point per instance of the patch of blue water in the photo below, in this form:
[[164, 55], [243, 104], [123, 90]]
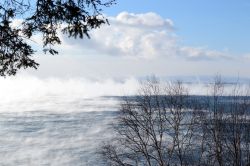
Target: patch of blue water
[[47, 138]]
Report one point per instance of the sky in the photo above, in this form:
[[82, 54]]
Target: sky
[[163, 37], [187, 40], [219, 24]]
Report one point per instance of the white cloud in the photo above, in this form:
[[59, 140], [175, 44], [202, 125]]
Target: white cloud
[[16, 23], [149, 41], [145, 36], [247, 56], [202, 53], [148, 19]]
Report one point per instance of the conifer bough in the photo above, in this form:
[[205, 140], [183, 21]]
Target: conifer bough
[[48, 17]]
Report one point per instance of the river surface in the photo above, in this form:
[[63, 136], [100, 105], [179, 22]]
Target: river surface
[[56, 133]]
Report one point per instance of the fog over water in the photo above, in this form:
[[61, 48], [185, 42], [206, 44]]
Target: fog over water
[[60, 121], [55, 121]]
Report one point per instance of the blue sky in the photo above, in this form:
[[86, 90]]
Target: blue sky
[[218, 24], [163, 37]]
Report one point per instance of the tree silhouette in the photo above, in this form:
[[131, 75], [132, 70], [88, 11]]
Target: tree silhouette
[[163, 125], [48, 17]]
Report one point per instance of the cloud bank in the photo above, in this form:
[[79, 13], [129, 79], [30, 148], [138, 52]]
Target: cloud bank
[[135, 45], [145, 35]]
